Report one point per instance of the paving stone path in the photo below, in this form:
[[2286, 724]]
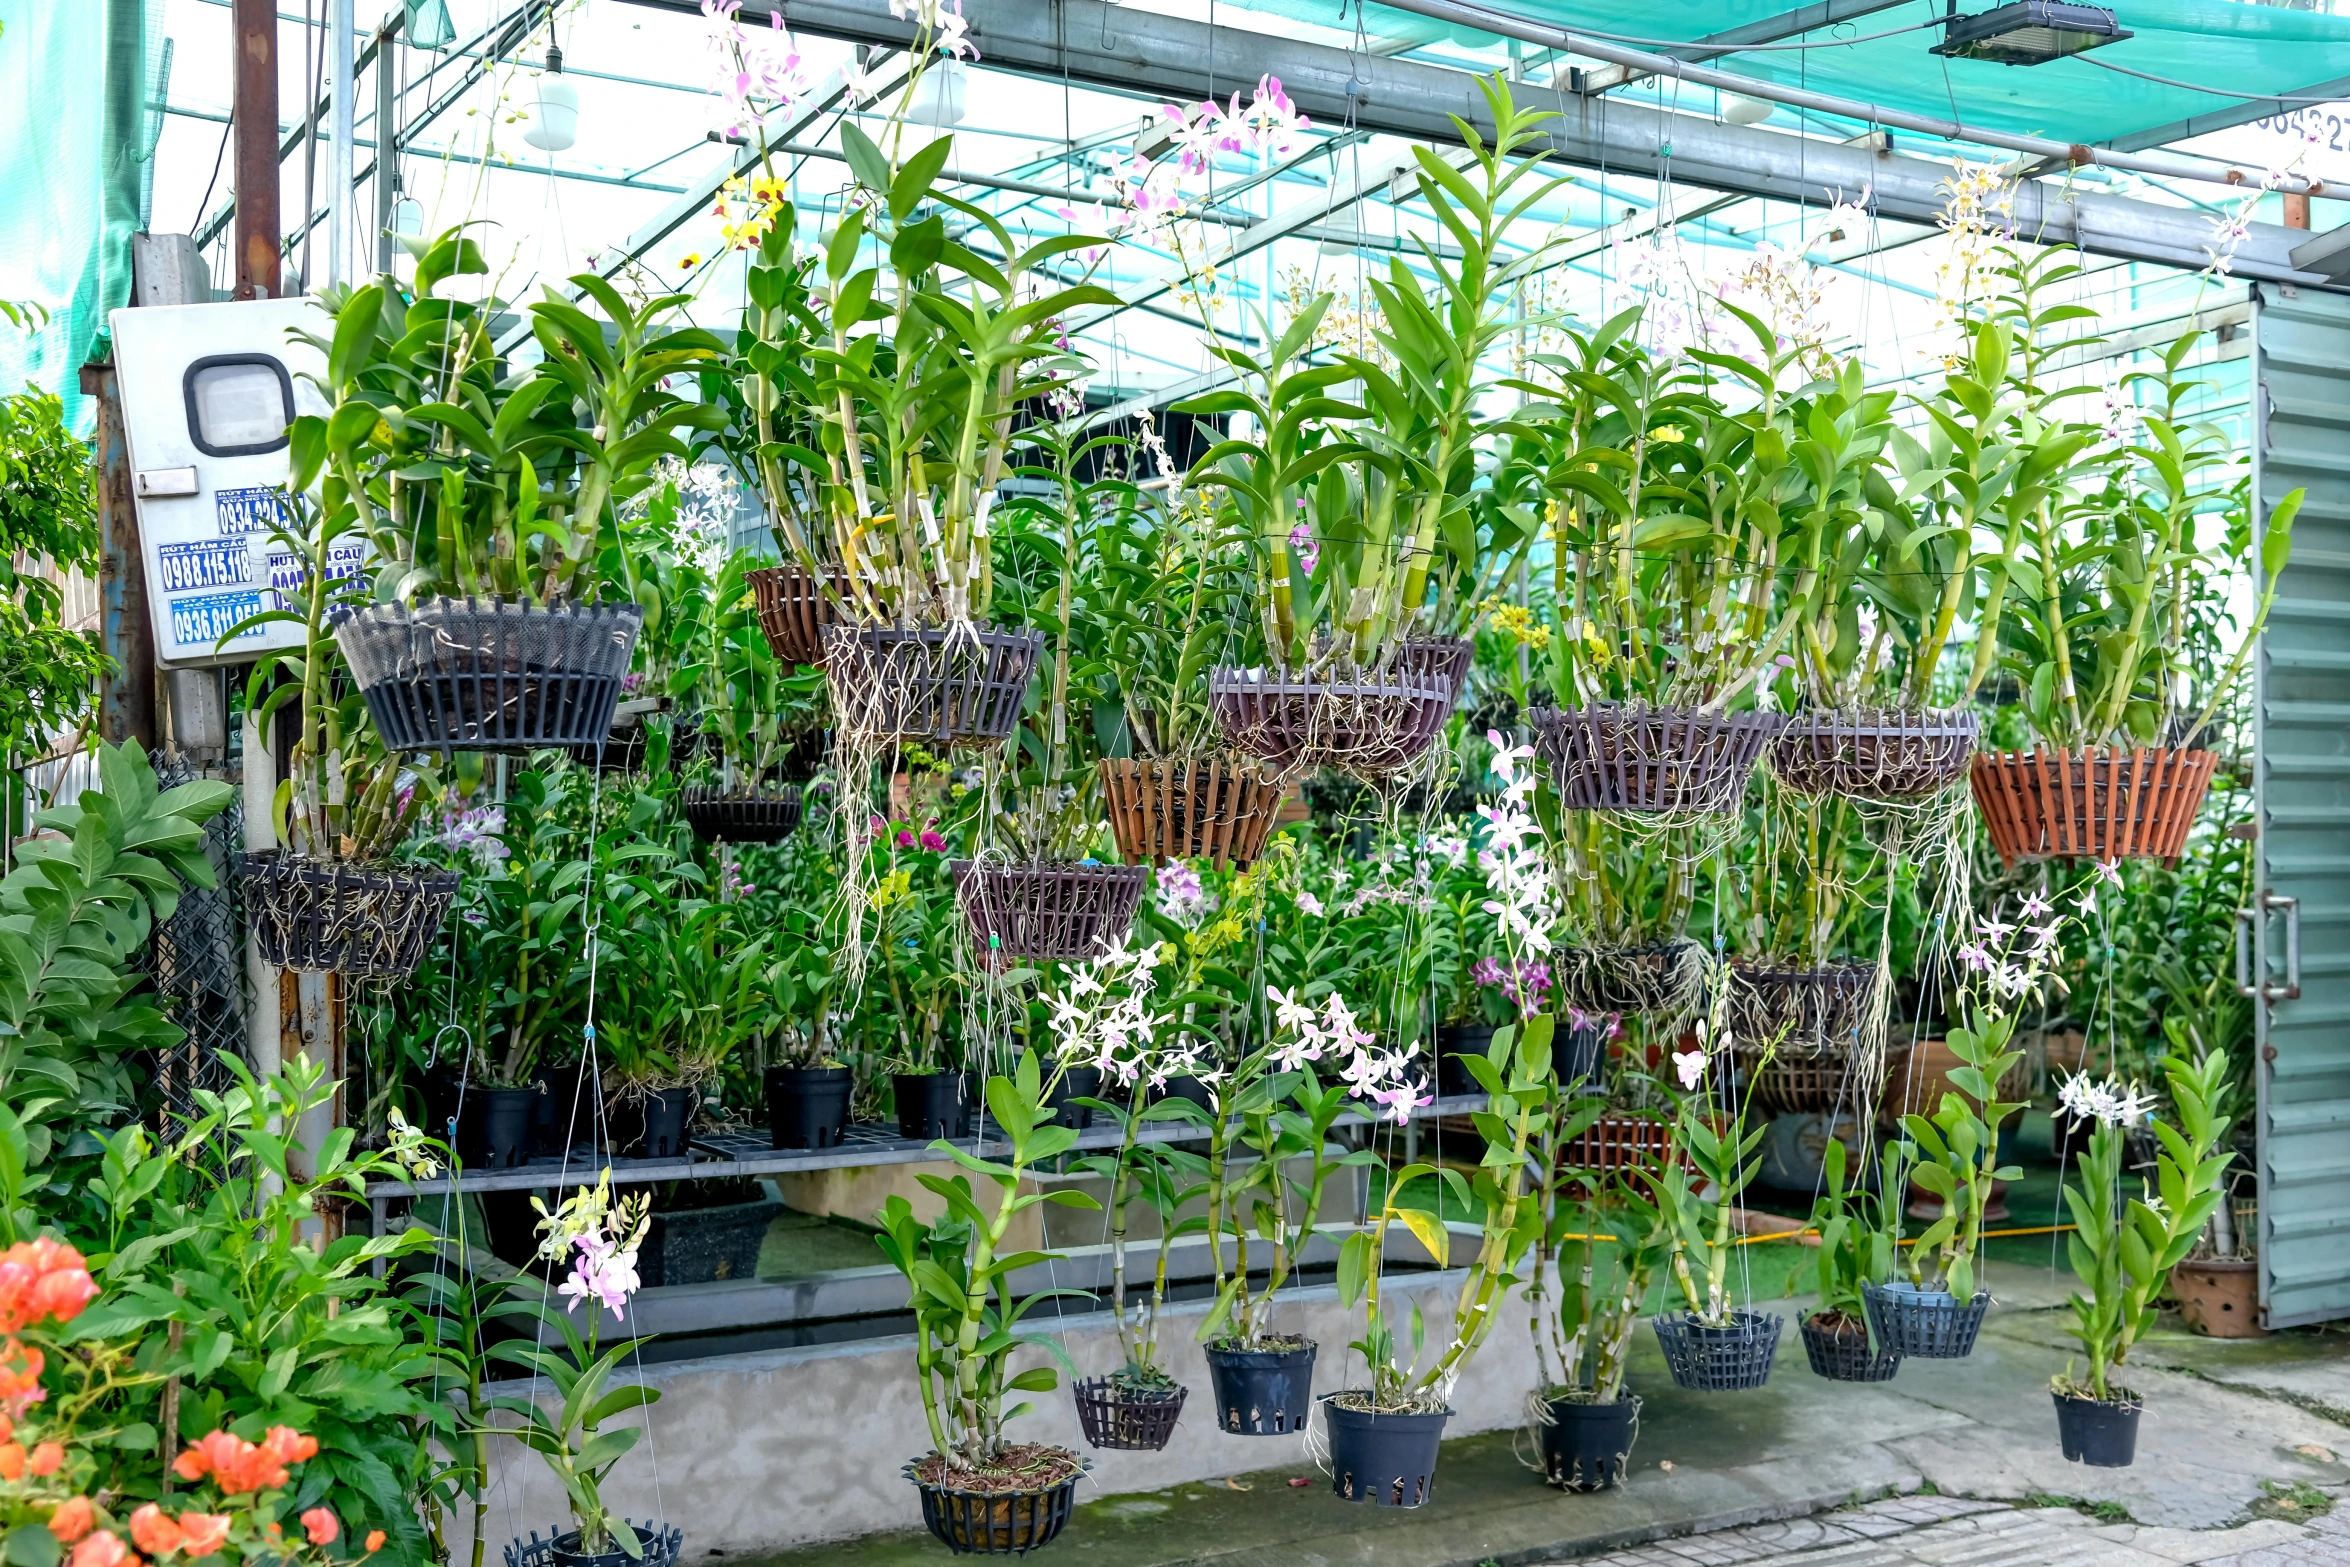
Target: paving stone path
[[1949, 1531]]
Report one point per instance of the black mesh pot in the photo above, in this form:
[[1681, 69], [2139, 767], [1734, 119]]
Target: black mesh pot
[[1369, 728], [1875, 753], [1924, 1325], [1044, 911], [807, 1106], [931, 1104], [1262, 1392], [1588, 1447], [360, 921], [494, 1127], [488, 675], [1822, 1084], [658, 1543], [2103, 1436], [1387, 1460], [1185, 1086], [942, 686], [1610, 757], [1656, 978], [1732, 1359], [803, 758], [766, 815], [1841, 1353], [996, 1523], [1132, 1422], [1076, 1082], [1806, 1011]]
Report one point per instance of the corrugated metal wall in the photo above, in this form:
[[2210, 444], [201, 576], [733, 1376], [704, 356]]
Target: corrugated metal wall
[[2302, 372]]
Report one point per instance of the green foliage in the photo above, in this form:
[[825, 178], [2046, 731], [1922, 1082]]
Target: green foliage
[[572, 1439], [1955, 1152], [48, 527]]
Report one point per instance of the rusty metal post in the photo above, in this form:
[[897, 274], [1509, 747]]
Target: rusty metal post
[[2296, 210], [126, 702], [253, 28]]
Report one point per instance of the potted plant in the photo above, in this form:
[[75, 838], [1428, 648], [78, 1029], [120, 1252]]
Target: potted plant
[[1857, 1243], [1170, 592], [1606, 1241], [980, 1491], [488, 506], [598, 1236], [1362, 515], [1953, 1148], [916, 1006], [330, 896], [2101, 658], [807, 1080], [2121, 1251], [1713, 1346], [755, 709]]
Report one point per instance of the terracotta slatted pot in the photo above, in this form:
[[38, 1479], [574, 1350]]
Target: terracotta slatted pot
[[793, 610], [2105, 805], [1619, 1142], [1220, 809]]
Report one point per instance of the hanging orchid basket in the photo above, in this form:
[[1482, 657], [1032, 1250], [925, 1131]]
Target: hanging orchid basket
[[1652, 760], [1620, 1142], [1127, 1419], [489, 674], [1445, 659], [1820, 1085], [1734, 1357], [971, 1514], [1887, 754], [803, 758], [657, 1547], [1924, 1324], [768, 814], [360, 921], [1219, 809], [943, 686], [1805, 1012], [794, 608], [1371, 727], [1839, 1349], [2107, 805], [1666, 977], [1048, 911]]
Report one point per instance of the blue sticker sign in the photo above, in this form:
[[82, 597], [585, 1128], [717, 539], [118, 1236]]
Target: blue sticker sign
[[202, 622], [254, 508], [204, 563], [287, 572]]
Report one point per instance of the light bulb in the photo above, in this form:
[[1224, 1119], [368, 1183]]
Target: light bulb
[[554, 123], [1740, 110], [938, 97]]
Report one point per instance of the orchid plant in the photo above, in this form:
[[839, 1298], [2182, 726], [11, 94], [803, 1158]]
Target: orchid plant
[[1712, 1159], [598, 1235], [2123, 1251]]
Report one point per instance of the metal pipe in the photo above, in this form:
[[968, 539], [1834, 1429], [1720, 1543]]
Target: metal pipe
[[258, 261], [2074, 153], [341, 46]]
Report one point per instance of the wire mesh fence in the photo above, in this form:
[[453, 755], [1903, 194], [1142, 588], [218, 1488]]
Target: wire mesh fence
[[197, 962]]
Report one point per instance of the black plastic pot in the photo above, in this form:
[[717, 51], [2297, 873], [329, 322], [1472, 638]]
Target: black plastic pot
[[1113, 1417], [1846, 1356], [705, 1245], [996, 1523], [1387, 1460], [1077, 1082], [360, 921], [660, 1546], [808, 1106], [494, 1125], [1588, 1447], [656, 1126], [2104, 1436], [1262, 1392], [1735, 1358], [931, 1105], [487, 675], [564, 1115], [1580, 1053], [1453, 1041], [1924, 1324], [1187, 1087]]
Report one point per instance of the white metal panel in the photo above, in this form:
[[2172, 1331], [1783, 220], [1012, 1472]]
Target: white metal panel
[[205, 514]]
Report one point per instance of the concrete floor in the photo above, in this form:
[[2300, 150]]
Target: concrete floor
[[2229, 1428]]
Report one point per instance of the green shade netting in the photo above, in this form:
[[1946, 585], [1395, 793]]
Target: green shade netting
[[2232, 45], [81, 94]]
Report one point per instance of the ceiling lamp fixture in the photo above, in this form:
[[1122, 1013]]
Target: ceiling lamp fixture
[[554, 123], [938, 96], [2030, 32], [1739, 109]]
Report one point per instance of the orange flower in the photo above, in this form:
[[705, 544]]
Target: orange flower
[[321, 1526], [203, 1533], [242, 1466], [154, 1532], [46, 1459], [104, 1550], [42, 1279], [72, 1519], [20, 1377], [11, 1460], [375, 1541]]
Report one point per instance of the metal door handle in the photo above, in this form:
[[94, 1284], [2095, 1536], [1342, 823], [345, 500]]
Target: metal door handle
[[2244, 985], [2290, 990]]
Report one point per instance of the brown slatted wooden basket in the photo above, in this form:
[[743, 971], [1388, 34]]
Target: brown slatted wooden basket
[[1619, 1142], [1219, 809], [793, 611], [2105, 805]]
